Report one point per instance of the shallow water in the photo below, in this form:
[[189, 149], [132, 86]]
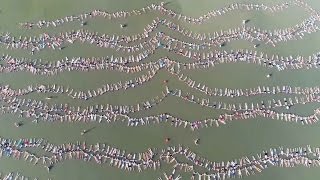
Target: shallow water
[[227, 142]]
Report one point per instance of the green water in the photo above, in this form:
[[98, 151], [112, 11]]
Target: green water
[[230, 141]]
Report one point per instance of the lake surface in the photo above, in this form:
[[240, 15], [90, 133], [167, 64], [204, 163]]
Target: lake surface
[[230, 141]]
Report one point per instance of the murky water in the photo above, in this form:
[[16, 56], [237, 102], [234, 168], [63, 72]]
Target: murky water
[[230, 141]]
